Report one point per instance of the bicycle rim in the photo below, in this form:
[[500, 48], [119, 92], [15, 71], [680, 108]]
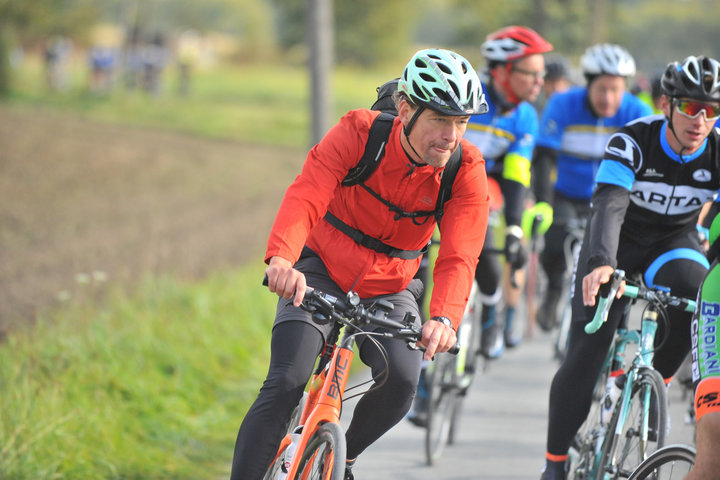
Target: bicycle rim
[[324, 456], [276, 468], [441, 394], [668, 463], [647, 412]]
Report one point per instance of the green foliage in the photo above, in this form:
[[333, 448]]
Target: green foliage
[[375, 31], [152, 385]]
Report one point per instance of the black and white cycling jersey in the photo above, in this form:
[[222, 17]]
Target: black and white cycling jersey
[[664, 191]]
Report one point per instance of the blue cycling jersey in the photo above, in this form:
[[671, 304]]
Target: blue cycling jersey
[[498, 134], [568, 126]]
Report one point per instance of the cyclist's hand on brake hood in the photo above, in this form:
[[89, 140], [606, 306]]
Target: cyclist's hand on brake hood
[[437, 338], [284, 280], [593, 280]]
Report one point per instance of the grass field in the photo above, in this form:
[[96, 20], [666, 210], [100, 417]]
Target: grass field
[[253, 103], [147, 373]]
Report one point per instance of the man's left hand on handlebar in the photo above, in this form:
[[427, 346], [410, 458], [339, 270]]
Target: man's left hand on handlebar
[[284, 280], [437, 338]]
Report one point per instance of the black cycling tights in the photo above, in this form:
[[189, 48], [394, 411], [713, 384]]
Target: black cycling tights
[[294, 348], [572, 386]]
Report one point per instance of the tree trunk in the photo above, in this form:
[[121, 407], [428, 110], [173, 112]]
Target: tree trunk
[[4, 60], [598, 21]]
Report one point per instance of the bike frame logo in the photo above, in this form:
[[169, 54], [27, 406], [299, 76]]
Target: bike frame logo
[[338, 379], [704, 343]]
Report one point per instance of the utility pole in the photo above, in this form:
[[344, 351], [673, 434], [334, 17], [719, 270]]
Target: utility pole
[[320, 39], [598, 21]]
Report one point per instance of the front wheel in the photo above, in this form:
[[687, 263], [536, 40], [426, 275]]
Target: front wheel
[[442, 391], [324, 456], [634, 436], [671, 463]]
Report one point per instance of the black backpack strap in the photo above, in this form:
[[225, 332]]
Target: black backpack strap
[[372, 243], [446, 183], [374, 150]]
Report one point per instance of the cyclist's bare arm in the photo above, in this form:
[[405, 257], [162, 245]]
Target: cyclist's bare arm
[[707, 461], [284, 280], [437, 338]]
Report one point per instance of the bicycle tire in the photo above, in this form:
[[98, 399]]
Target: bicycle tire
[[274, 470], [623, 452], [672, 462], [470, 330], [324, 456], [441, 398], [455, 415], [563, 331]]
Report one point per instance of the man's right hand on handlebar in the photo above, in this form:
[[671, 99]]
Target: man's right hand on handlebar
[[593, 280], [284, 280], [437, 338]]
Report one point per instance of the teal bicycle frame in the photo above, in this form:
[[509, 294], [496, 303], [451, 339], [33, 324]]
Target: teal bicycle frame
[[606, 458]]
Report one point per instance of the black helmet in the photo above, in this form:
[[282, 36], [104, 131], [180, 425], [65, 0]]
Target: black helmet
[[696, 77], [556, 67]]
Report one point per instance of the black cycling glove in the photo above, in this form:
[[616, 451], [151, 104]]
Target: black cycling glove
[[515, 253]]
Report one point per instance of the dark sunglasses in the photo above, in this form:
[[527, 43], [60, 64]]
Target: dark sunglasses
[[692, 109]]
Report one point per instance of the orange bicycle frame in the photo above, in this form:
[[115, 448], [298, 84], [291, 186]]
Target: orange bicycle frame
[[324, 403]]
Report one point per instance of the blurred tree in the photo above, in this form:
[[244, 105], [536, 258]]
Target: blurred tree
[[249, 20], [366, 33]]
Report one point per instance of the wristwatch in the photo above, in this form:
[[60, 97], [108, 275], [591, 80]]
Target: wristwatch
[[443, 320]]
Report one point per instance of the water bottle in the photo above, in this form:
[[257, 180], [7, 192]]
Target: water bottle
[[289, 452], [613, 389]]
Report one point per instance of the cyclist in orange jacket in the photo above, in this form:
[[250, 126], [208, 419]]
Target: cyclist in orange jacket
[[437, 93]]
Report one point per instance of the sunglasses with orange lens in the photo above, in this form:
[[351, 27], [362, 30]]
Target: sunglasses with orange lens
[[692, 109]]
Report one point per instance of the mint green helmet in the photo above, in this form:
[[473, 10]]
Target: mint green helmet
[[443, 81]]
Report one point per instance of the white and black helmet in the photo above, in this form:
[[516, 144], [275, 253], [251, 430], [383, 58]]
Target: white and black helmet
[[607, 59], [696, 77]]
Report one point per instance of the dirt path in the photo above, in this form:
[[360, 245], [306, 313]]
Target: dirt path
[[80, 199]]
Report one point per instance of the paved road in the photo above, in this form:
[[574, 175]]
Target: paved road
[[503, 430]]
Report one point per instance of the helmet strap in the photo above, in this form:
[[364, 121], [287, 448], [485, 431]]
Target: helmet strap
[[509, 94], [408, 128], [510, 97], [672, 128]]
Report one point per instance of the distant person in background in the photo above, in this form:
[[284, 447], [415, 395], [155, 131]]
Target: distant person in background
[[651, 93], [57, 54], [558, 78], [506, 136], [154, 56], [574, 128], [102, 61]]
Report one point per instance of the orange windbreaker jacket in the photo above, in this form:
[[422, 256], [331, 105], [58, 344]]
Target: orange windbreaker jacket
[[409, 186]]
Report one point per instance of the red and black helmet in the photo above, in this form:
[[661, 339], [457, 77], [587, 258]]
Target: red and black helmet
[[512, 43]]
